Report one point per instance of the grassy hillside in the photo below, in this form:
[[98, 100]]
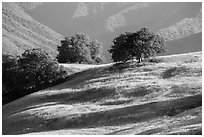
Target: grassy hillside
[[146, 98], [20, 31]]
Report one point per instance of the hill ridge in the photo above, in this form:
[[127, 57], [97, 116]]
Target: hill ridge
[[22, 31]]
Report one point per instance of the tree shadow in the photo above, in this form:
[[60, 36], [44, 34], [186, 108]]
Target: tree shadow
[[112, 117], [132, 114], [87, 95]]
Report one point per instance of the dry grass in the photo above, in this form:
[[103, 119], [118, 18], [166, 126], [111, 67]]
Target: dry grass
[[20, 32], [149, 98], [171, 72]]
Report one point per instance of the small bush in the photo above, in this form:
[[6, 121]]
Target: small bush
[[119, 66], [155, 60]]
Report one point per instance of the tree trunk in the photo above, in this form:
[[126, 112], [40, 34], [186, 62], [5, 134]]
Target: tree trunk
[[139, 60]]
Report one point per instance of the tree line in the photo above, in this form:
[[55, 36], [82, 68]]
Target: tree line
[[35, 69], [32, 71]]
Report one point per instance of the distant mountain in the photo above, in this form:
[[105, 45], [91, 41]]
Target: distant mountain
[[101, 21], [20, 31], [184, 28], [191, 43], [102, 17], [104, 21]]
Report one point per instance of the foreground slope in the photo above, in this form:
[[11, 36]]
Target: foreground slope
[[155, 98]]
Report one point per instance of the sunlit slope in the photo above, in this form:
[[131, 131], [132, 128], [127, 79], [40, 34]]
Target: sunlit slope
[[20, 31], [147, 98]]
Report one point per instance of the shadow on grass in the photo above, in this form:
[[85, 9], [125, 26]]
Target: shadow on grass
[[112, 117], [132, 114], [178, 91], [121, 67], [189, 132], [171, 72], [88, 95], [116, 102], [184, 71], [79, 79], [140, 91], [151, 131]]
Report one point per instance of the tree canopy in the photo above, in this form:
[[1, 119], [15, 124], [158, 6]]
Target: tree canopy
[[80, 49], [33, 70], [137, 44]]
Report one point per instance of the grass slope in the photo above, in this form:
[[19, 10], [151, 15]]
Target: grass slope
[[20, 31], [155, 98]]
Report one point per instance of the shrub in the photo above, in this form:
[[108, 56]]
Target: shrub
[[155, 60]]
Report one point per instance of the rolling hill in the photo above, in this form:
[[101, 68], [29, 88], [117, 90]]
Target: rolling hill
[[163, 96], [20, 31], [160, 97]]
